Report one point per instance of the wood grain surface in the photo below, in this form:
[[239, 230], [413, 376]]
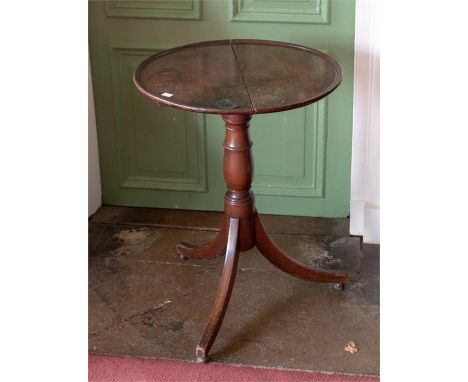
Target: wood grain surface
[[202, 77], [238, 76]]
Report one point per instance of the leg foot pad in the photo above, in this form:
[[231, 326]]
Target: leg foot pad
[[201, 355], [339, 286]]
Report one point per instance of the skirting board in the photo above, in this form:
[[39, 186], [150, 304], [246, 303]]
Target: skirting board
[[365, 221]]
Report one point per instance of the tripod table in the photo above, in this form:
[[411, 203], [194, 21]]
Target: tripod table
[[238, 79]]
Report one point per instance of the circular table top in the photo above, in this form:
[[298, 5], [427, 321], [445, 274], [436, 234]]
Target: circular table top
[[238, 76]]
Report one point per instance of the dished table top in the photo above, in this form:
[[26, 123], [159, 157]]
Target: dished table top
[[238, 76]]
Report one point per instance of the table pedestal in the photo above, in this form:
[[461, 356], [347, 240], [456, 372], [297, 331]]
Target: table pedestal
[[242, 230]]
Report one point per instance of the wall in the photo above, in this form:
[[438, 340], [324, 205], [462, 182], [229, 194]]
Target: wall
[[94, 177], [365, 166]]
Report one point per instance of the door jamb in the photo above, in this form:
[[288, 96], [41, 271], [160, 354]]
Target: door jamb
[[365, 162]]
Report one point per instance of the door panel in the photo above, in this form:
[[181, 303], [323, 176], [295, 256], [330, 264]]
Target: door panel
[[289, 152], [169, 158], [289, 11], [162, 9], [163, 157]]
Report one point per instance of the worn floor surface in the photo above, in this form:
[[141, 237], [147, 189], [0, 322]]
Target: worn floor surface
[[144, 301]]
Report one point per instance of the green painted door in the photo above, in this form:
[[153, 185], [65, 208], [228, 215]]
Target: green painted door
[[163, 157]]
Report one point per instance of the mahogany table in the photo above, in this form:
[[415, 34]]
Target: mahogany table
[[238, 79]]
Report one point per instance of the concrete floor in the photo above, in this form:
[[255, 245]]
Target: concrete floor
[[144, 301]]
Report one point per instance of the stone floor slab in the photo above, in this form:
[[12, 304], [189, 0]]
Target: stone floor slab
[[144, 301]]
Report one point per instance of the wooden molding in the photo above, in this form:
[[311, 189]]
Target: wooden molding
[[187, 10], [310, 182], [307, 11], [190, 174]]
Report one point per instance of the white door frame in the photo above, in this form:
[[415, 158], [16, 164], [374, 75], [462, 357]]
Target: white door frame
[[94, 175], [365, 163]]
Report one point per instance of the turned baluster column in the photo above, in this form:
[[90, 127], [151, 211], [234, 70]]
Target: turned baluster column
[[238, 173]]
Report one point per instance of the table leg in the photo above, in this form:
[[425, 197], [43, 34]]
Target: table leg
[[207, 252], [224, 293], [278, 258]]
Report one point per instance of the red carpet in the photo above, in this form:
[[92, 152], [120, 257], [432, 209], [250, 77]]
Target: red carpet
[[128, 369]]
